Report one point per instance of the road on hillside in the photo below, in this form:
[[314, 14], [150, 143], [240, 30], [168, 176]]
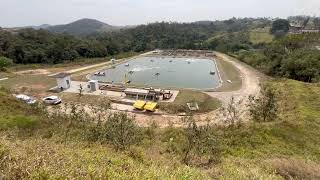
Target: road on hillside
[[250, 82]]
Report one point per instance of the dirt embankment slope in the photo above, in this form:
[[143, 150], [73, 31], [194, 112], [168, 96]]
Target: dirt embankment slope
[[250, 81]]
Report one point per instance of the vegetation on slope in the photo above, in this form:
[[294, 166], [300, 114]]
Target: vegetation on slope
[[40, 46], [14, 114], [285, 147], [82, 27], [260, 35], [293, 56], [33, 146]]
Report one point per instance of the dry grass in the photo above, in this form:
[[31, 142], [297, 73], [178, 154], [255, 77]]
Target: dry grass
[[261, 35], [84, 99], [243, 169], [293, 168], [31, 84], [206, 103], [37, 158]]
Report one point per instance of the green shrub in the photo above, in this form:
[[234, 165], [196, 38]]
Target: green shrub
[[121, 130], [4, 63], [175, 139], [137, 154], [264, 107], [194, 144], [173, 108]]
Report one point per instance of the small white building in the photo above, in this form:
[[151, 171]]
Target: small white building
[[63, 80], [94, 85]]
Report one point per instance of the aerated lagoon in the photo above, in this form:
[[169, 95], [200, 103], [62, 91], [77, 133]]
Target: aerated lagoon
[[164, 72]]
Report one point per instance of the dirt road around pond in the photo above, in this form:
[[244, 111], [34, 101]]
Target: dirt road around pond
[[250, 81], [53, 71]]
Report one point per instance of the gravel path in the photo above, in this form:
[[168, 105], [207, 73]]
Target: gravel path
[[250, 82]]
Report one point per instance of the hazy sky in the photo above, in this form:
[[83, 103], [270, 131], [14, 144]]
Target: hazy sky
[[132, 12]]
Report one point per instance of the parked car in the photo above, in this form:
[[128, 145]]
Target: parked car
[[27, 99], [52, 100]]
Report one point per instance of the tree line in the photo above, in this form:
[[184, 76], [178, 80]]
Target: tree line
[[40, 46], [170, 35], [293, 56]]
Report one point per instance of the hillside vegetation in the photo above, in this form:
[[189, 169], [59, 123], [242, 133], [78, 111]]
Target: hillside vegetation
[[261, 35], [82, 27], [294, 56], [40, 46], [33, 146]]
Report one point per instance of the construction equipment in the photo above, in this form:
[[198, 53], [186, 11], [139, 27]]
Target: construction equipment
[[151, 106], [139, 105]]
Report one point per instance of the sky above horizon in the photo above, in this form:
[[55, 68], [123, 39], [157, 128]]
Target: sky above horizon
[[15, 13]]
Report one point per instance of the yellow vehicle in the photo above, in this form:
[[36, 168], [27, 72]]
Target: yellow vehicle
[[151, 106], [139, 105]]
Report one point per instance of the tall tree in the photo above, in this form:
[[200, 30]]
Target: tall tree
[[280, 27]]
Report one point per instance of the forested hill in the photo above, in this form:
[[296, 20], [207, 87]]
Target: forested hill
[[83, 27], [40, 46], [165, 35]]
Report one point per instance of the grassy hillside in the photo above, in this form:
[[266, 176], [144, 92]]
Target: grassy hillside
[[14, 114], [285, 148], [261, 35], [31, 148]]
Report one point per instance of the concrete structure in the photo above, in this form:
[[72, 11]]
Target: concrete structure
[[298, 29], [94, 85], [310, 31], [63, 80], [138, 93]]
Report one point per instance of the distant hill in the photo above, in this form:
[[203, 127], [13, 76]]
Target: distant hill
[[18, 29], [83, 27], [43, 26]]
